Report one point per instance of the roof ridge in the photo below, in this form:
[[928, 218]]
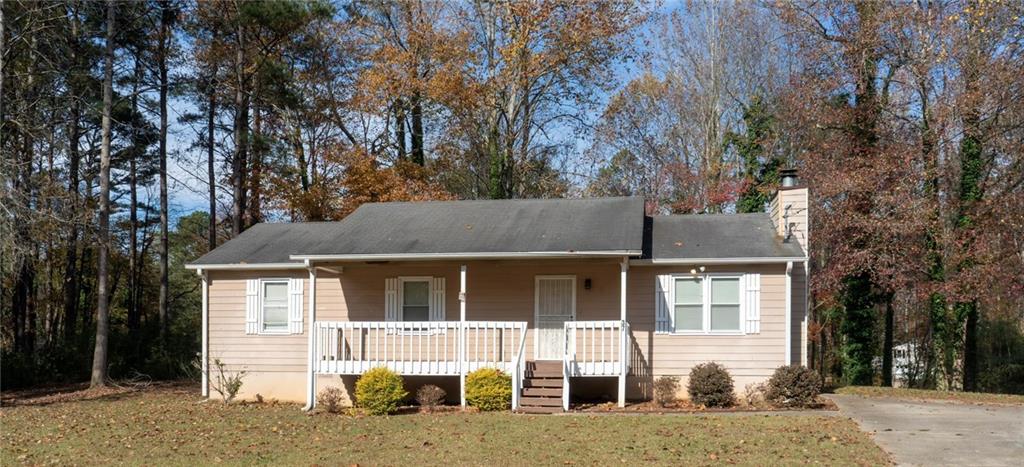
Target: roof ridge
[[506, 200]]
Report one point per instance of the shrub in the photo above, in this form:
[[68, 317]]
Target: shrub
[[665, 390], [489, 389], [753, 394], [330, 399], [222, 381], [710, 385], [430, 396], [793, 386], [379, 391]]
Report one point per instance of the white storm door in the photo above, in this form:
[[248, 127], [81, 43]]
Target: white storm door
[[556, 304]]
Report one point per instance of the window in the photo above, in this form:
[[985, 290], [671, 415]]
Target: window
[[690, 304], [707, 304], [274, 306], [415, 300]]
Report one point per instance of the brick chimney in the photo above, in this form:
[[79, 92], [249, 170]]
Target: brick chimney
[[789, 209]]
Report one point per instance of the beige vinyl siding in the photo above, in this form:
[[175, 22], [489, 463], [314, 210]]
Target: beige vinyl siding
[[797, 199], [274, 364], [501, 291], [495, 290], [749, 358]]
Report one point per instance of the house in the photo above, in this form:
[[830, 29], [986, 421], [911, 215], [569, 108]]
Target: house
[[575, 298]]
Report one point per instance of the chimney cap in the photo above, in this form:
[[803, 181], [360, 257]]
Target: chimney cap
[[788, 177]]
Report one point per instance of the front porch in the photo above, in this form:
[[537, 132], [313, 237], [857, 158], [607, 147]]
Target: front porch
[[456, 348], [544, 340]]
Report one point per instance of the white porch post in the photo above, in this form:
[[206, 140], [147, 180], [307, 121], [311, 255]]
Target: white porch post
[[205, 364], [462, 335], [623, 335], [310, 370]]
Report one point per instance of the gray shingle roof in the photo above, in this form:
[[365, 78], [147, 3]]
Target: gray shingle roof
[[718, 236], [444, 227], [547, 226]]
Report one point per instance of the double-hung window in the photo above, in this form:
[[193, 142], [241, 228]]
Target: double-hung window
[[415, 299], [274, 309], [707, 304]]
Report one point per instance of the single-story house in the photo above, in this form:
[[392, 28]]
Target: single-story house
[[575, 298]]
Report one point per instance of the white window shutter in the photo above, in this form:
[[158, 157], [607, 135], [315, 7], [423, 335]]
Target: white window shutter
[[437, 299], [662, 304], [295, 306], [752, 302], [252, 306], [391, 299]]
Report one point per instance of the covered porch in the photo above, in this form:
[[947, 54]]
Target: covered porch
[[514, 315]]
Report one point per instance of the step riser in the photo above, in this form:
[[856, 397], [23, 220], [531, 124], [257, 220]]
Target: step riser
[[540, 402], [542, 392], [542, 383], [539, 410]]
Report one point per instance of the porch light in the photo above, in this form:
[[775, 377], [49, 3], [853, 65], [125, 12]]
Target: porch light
[[586, 283]]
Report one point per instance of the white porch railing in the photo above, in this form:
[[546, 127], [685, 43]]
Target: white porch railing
[[419, 348], [596, 348]]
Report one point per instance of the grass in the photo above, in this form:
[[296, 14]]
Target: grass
[[170, 426], [930, 395]]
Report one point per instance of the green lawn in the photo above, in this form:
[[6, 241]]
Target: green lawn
[[924, 394], [170, 426]]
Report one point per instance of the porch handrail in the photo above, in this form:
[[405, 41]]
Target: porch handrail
[[517, 372], [417, 347], [596, 348]]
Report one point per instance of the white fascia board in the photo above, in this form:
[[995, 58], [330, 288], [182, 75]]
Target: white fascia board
[[702, 261], [245, 266], [487, 255]]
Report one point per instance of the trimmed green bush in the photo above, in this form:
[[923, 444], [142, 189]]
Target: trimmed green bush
[[489, 389], [793, 386], [710, 385], [379, 391]]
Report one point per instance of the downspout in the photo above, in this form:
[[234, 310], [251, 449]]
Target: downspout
[[789, 312], [624, 332], [807, 312], [204, 363], [310, 373]]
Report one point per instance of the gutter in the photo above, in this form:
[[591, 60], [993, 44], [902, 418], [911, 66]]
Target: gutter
[[701, 261], [244, 266], [467, 255]]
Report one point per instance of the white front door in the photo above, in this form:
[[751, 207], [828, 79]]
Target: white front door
[[556, 304]]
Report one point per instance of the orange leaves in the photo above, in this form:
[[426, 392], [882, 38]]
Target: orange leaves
[[365, 181]]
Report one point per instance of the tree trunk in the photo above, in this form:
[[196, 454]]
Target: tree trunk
[[211, 128], [71, 283], [241, 128], [887, 349], [133, 206], [99, 359], [972, 172], [417, 130], [256, 163], [165, 35], [400, 128]]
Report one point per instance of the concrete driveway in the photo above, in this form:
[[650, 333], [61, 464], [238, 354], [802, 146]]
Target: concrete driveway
[[940, 433]]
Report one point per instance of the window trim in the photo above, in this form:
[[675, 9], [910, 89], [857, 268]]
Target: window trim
[[706, 278], [401, 295], [260, 328]]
